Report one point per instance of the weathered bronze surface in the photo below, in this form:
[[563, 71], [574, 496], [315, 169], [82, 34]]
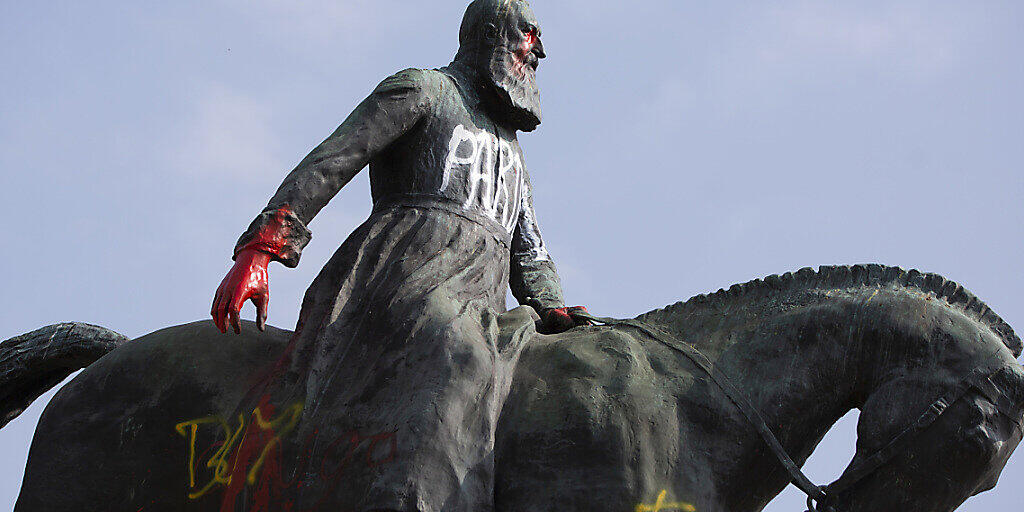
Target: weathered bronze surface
[[600, 417], [406, 386]]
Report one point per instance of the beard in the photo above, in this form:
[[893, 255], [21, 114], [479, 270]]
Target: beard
[[516, 97]]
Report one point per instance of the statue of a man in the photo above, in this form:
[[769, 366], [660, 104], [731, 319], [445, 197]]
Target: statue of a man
[[399, 333]]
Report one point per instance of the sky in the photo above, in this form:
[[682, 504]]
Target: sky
[[686, 146]]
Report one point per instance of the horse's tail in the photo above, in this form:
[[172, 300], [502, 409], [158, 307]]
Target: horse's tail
[[33, 363]]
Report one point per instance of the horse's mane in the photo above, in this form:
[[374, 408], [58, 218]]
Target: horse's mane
[[847, 276]]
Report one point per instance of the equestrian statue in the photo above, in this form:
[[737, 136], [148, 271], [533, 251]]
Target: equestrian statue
[[407, 386]]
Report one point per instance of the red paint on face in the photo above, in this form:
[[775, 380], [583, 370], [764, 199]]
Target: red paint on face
[[531, 41]]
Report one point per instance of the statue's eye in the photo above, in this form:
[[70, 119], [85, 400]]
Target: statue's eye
[[531, 36]]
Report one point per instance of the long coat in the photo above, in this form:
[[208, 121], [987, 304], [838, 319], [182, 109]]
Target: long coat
[[403, 337]]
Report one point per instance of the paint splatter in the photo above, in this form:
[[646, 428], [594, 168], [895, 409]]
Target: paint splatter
[[662, 505]]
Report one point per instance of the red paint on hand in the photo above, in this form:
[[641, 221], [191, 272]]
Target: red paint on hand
[[247, 280], [556, 320], [273, 238]]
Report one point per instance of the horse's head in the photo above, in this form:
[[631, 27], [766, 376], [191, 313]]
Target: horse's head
[[945, 412]]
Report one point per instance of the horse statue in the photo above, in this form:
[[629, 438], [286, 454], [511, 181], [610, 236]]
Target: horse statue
[[626, 416]]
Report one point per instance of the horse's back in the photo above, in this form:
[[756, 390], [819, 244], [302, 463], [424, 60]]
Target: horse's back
[[108, 440], [568, 435], [595, 418]]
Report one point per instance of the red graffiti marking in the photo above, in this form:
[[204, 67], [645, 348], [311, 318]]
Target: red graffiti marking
[[248, 460]]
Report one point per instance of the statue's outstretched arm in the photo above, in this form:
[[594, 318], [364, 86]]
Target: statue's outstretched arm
[[279, 233]]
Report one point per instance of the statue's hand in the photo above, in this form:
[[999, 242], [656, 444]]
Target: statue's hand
[[247, 280], [556, 320]]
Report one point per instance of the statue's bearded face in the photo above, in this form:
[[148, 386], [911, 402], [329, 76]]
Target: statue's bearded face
[[511, 66]]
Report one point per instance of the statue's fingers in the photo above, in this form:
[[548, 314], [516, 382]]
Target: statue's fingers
[[262, 301], [234, 310], [219, 311], [575, 313], [213, 306], [233, 319], [565, 323], [558, 320], [581, 321]]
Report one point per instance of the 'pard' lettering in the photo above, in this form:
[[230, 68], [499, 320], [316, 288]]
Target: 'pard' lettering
[[493, 171]]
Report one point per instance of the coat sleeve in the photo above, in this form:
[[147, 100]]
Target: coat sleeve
[[532, 275], [392, 109]]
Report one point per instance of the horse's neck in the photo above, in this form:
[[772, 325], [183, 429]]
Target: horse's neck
[[799, 360]]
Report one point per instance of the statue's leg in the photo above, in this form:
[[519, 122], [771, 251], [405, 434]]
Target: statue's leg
[[419, 435]]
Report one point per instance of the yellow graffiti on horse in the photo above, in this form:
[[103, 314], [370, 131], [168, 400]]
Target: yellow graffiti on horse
[[661, 504], [223, 461]]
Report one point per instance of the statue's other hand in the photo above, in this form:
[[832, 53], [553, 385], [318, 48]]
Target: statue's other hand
[[556, 320], [247, 280]]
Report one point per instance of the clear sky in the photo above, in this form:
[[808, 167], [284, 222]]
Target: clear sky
[[686, 146]]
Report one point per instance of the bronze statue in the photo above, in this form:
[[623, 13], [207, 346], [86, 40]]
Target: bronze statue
[[406, 386], [399, 332]]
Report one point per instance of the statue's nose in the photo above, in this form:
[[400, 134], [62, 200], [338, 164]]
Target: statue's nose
[[538, 49]]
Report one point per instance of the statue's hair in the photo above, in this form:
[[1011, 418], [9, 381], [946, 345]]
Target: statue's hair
[[478, 13], [481, 12], [839, 277]]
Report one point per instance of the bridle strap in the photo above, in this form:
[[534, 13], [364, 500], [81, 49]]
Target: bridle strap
[[1004, 404], [979, 379], [797, 477], [897, 444]]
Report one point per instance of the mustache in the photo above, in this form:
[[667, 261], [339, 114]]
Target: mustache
[[531, 61]]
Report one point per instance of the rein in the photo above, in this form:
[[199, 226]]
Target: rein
[[979, 379]]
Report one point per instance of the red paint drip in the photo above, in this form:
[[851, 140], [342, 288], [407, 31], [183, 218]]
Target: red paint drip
[[271, 492], [254, 440]]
